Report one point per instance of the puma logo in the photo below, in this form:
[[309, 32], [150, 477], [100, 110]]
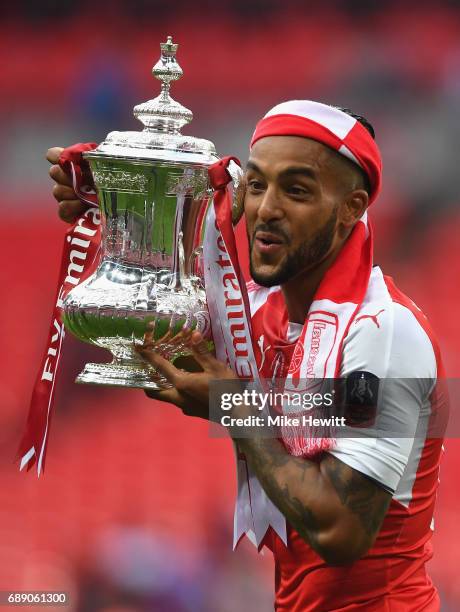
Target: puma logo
[[260, 343], [373, 317]]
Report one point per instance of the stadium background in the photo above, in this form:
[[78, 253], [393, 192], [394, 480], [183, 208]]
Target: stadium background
[[134, 512]]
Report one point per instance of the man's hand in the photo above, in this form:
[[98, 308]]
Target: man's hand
[[70, 207], [190, 391]]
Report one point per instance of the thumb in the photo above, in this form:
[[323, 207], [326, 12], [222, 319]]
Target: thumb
[[52, 155]]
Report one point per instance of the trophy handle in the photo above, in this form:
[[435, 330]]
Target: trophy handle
[[194, 269], [236, 172]]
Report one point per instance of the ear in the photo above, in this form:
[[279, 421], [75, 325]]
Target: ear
[[353, 208]]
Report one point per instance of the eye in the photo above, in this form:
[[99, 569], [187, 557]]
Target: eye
[[298, 191], [255, 186]]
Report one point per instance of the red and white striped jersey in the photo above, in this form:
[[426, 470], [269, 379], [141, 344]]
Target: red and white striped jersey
[[392, 575]]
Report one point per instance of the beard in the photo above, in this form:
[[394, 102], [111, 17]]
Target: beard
[[306, 256]]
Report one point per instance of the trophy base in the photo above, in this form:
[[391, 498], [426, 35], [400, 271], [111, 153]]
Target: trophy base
[[122, 375]]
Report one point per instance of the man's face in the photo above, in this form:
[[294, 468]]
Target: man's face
[[292, 196]]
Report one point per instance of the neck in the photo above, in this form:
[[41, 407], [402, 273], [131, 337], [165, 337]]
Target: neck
[[300, 290]]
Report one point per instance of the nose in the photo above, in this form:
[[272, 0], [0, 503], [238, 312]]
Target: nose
[[270, 207]]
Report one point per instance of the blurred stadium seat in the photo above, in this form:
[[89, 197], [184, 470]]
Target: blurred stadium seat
[[118, 463]]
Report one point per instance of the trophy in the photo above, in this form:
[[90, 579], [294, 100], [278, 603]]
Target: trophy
[[153, 193]]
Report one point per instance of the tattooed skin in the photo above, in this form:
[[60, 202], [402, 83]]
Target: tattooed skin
[[358, 493], [268, 458], [318, 498]]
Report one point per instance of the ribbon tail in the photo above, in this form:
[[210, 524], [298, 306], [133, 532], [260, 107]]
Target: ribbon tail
[[33, 445], [243, 522], [267, 514], [28, 459]]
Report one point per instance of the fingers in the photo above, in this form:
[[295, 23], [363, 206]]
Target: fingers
[[181, 340], [168, 340], [58, 175], [70, 207], [63, 192], [151, 350], [171, 373], [204, 356], [70, 210], [148, 336], [171, 396], [52, 155], [201, 352]]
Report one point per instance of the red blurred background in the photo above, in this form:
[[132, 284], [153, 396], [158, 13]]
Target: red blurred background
[[135, 509]]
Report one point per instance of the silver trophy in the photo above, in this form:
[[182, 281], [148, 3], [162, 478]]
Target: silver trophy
[[154, 193]]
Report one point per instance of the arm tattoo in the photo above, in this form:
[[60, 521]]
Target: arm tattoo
[[285, 479], [363, 497], [267, 456], [306, 526]]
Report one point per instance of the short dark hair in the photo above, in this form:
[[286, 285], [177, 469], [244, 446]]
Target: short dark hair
[[368, 125]]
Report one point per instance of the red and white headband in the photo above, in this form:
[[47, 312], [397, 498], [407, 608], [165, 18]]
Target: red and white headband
[[328, 125]]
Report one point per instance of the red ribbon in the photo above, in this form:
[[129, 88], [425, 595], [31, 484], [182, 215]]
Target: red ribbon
[[78, 261]]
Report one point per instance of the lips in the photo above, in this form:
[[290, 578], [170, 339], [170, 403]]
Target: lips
[[267, 242], [268, 238]]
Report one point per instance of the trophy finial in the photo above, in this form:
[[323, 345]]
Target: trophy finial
[[169, 45], [163, 114], [167, 69]]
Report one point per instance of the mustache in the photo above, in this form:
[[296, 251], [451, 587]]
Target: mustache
[[272, 229]]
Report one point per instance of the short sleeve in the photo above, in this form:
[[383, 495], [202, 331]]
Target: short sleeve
[[406, 380]]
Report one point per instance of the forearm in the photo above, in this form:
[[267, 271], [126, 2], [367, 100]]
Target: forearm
[[292, 484], [332, 507]]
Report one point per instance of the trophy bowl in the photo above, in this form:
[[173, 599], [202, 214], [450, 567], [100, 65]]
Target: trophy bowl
[[153, 194]]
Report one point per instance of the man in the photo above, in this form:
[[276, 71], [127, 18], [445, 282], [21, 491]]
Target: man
[[358, 511]]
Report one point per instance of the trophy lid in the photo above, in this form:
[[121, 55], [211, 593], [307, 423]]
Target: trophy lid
[[163, 119]]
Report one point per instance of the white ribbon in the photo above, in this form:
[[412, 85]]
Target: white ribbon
[[231, 327]]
